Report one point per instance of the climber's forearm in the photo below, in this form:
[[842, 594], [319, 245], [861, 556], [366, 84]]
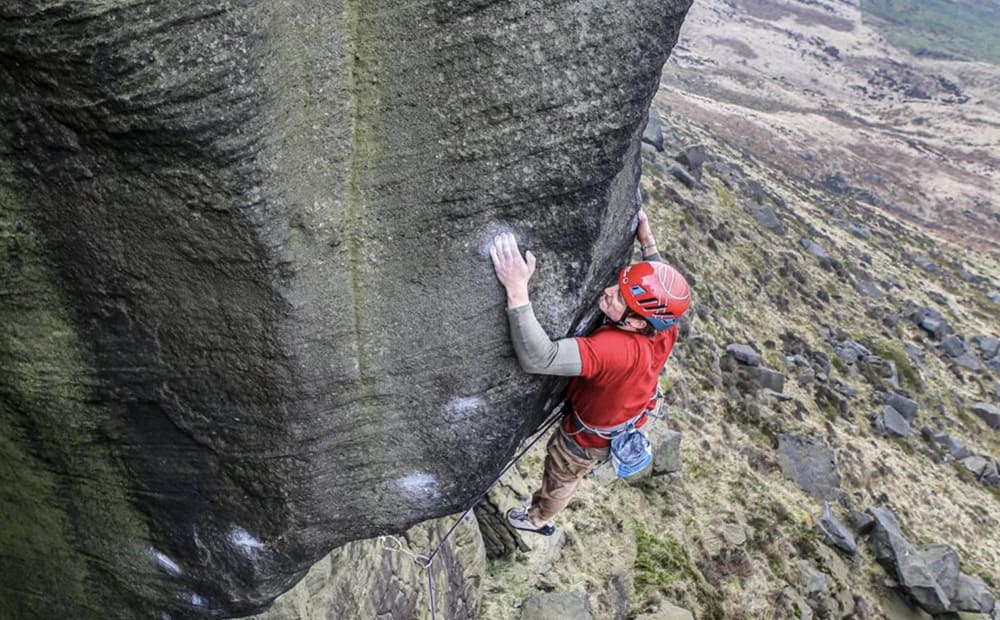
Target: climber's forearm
[[536, 353]]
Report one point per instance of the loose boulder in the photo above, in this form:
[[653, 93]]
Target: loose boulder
[[667, 453], [988, 413], [692, 158], [942, 441], [652, 133], [834, 531], [767, 218], [907, 407], [988, 346], [905, 562], [953, 345], [893, 423], [769, 379], [816, 250], [744, 353], [810, 464]]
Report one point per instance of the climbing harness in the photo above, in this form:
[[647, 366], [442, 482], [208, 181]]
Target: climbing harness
[[427, 561], [630, 451]]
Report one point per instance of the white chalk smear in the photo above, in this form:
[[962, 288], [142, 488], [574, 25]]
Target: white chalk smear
[[462, 408], [418, 486], [166, 563], [494, 229], [245, 541]]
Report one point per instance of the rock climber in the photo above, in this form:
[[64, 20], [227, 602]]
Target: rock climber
[[615, 370]]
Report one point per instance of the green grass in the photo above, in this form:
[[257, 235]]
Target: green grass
[[663, 565], [908, 376], [938, 28], [660, 562]]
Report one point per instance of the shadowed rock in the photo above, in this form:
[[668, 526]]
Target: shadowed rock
[[835, 532], [744, 353], [905, 562], [652, 133], [893, 423], [988, 413], [907, 407], [692, 158], [942, 441], [248, 314]]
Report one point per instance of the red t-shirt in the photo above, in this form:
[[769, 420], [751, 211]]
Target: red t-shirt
[[620, 371]]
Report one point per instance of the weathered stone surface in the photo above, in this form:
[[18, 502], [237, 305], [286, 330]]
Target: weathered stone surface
[[907, 407], [905, 562], [239, 228], [681, 174], [812, 580], [953, 345], [692, 158], [927, 264], [557, 606], [973, 595], [943, 563], [850, 351], [811, 464], [953, 447], [767, 378], [894, 423], [767, 218], [816, 250], [968, 361], [499, 538], [984, 468], [988, 346], [744, 354], [834, 531], [652, 133], [931, 321], [667, 453], [871, 289], [977, 464], [989, 414]]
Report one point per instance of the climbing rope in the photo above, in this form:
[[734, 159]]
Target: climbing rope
[[427, 561]]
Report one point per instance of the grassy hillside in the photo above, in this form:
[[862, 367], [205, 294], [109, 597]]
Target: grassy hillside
[[730, 536], [939, 28]]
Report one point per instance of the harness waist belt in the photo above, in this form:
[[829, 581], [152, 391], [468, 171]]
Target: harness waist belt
[[605, 432]]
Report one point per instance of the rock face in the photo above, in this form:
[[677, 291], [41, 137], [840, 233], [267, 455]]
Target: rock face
[[247, 313]]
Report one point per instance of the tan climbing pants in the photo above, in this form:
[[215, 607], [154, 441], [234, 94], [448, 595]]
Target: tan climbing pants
[[566, 463]]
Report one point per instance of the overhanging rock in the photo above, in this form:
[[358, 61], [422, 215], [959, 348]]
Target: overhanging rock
[[247, 313]]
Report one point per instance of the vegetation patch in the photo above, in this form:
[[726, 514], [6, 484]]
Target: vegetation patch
[[908, 376]]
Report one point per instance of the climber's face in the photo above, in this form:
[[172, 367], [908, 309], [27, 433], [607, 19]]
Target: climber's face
[[612, 304]]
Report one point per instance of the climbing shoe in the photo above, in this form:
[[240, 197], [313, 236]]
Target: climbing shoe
[[519, 520]]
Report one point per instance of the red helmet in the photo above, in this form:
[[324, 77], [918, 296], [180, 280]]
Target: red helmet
[[655, 291]]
